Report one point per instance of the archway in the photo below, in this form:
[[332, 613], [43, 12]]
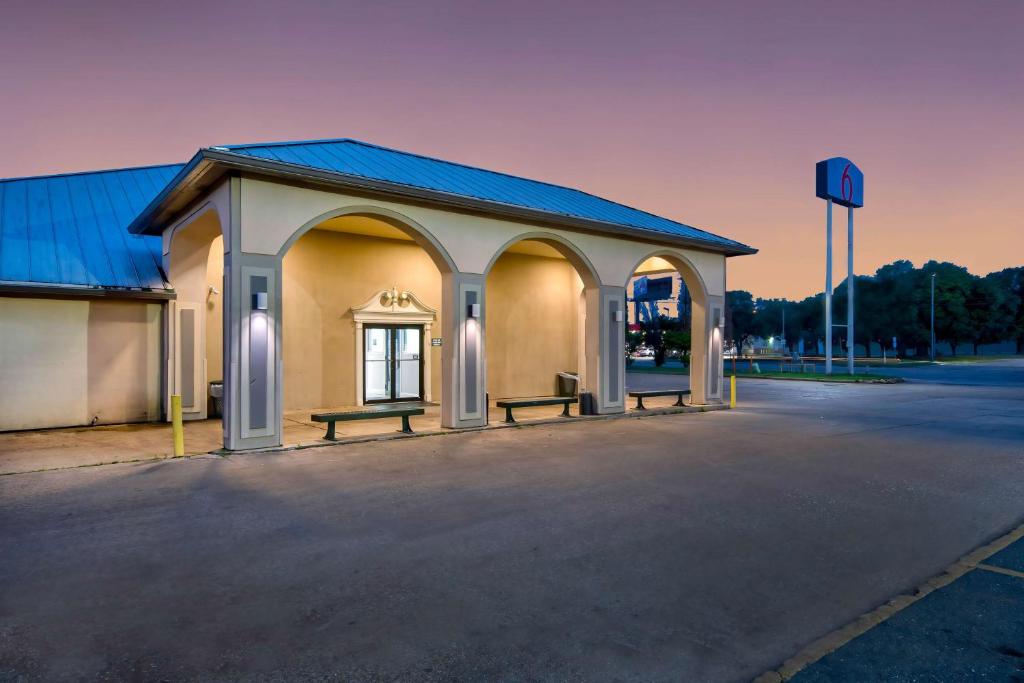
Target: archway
[[536, 292], [361, 297], [195, 318], [666, 295]]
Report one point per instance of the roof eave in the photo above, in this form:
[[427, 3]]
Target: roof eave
[[208, 165], [49, 290]]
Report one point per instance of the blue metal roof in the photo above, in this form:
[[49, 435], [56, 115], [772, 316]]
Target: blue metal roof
[[361, 159], [71, 229]]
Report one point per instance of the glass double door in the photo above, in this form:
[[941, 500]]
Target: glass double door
[[392, 363]]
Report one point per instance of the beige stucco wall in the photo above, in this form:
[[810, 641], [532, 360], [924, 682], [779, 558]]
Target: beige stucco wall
[[74, 362], [325, 274], [272, 213], [532, 329], [215, 311]]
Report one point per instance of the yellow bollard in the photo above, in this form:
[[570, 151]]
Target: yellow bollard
[[732, 391], [176, 426]]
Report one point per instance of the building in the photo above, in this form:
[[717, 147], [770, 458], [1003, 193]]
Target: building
[[312, 274], [657, 293]]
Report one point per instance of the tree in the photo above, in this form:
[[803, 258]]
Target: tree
[[1011, 282], [896, 303], [739, 319], [633, 342], [952, 289], [677, 341], [989, 312]]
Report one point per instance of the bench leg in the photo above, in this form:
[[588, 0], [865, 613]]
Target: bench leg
[[406, 427], [330, 432], [679, 401], [640, 403], [508, 416], [565, 410]]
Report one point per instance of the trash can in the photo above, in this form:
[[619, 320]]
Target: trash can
[[568, 383], [587, 406], [216, 407]]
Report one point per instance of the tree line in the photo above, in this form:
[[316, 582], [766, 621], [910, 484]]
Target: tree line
[[894, 302]]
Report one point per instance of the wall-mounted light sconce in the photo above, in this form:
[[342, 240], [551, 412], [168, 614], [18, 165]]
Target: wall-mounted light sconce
[[619, 316], [721, 322], [259, 301], [473, 311]]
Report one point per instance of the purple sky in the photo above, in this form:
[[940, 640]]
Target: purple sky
[[710, 113]]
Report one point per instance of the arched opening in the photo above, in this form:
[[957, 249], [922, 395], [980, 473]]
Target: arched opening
[[536, 323], [361, 301], [195, 328], [668, 329]]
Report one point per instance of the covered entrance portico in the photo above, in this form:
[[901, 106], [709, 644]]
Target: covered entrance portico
[[334, 291]]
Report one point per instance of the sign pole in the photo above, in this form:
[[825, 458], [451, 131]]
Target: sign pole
[[828, 287], [850, 339], [839, 180]]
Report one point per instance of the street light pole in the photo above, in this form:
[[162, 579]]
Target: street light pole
[[933, 319]]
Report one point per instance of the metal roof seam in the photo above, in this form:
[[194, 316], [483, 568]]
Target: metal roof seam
[[146, 256], [99, 231], [81, 173], [53, 231], [75, 228]]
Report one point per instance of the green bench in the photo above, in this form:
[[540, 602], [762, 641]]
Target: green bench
[[366, 413], [509, 403], [641, 395]]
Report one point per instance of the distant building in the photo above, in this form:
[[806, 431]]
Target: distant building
[[658, 293]]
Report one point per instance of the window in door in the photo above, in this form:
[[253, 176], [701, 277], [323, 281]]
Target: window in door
[[393, 365]]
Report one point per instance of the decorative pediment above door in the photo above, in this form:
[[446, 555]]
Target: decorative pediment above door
[[394, 306]]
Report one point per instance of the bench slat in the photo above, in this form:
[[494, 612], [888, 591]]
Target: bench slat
[[368, 413], [540, 401], [364, 414], [641, 395], [509, 403]]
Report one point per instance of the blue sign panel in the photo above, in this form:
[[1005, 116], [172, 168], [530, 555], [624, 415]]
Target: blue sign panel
[[640, 288], [840, 180], [652, 289]]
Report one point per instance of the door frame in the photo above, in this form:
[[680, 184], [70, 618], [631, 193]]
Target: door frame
[[393, 307], [393, 327]]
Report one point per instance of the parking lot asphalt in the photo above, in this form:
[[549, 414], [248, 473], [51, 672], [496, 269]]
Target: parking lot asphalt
[[686, 547], [969, 630]]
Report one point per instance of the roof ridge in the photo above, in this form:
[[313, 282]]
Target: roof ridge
[[476, 168], [45, 176]]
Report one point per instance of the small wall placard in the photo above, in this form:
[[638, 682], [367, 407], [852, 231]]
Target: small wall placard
[[435, 341]]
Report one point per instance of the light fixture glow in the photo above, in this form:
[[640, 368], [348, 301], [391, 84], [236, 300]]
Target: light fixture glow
[[259, 301]]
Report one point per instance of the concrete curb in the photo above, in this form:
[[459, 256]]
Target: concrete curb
[[862, 624], [885, 380], [632, 414]]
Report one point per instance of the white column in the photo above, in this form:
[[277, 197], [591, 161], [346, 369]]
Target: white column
[[252, 351], [605, 375], [463, 364], [706, 367]]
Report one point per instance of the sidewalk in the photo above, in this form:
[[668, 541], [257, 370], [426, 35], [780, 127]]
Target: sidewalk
[[48, 449]]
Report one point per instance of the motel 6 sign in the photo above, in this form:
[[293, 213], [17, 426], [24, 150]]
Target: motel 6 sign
[[840, 180]]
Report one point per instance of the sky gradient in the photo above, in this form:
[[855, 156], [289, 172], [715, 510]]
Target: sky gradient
[[712, 114]]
